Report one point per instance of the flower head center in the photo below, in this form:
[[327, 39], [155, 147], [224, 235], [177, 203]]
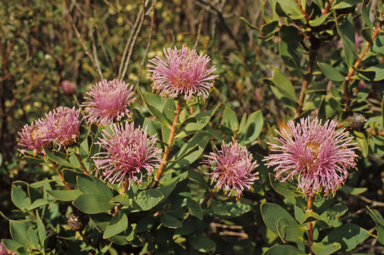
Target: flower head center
[[314, 148]]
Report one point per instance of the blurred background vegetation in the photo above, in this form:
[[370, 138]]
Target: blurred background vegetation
[[42, 45]]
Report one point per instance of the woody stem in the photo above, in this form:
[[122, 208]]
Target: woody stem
[[170, 141], [310, 226], [81, 164], [60, 175], [207, 198], [123, 190]]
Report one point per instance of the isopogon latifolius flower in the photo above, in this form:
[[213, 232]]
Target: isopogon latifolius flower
[[36, 136], [231, 167], [108, 101], [317, 154], [182, 72], [128, 152], [64, 124]]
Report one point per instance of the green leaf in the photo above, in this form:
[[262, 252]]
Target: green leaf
[[19, 233], [286, 188], [58, 159], [320, 248], [330, 72], [253, 127], [346, 31], [198, 178], [363, 144], [290, 8], [93, 185], [131, 232], [272, 213], [64, 195], [154, 103], [230, 119], [41, 229], [290, 232], [284, 86], [345, 4], [201, 243], [202, 119], [291, 54], [352, 191], [147, 199], [194, 208], [365, 9], [93, 203], [70, 175], [269, 27], [101, 220], [201, 139], [290, 34], [40, 183], [19, 197], [169, 110], [248, 24], [378, 69], [33, 238], [122, 199], [148, 124], [367, 34], [10, 244], [219, 208], [348, 235], [170, 221], [118, 224], [38, 203], [285, 250], [331, 216], [319, 20], [379, 221], [310, 215]]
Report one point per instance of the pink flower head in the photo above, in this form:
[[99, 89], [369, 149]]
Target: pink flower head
[[232, 166], [36, 136], [128, 151], [182, 72], [317, 154], [68, 87], [108, 101], [64, 125]]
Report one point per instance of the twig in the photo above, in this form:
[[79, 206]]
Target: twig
[[327, 7], [81, 40], [125, 187], [81, 164], [60, 175], [148, 44], [104, 50], [352, 70], [133, 43], [222, 21], [307, 77], [207, 198], [118, 12], [303, 11], [170, 141], [310, 226], [94, 50], [199, 27]]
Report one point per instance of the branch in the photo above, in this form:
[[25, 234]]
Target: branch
[[60, 175], [81, 164], [352, 70], [327, 7], [304, 12], [170, 141], [222, 21]]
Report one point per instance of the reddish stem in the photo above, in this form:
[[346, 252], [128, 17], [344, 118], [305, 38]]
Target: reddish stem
[[310, 226], [351, 71], [207, 198], [60, 175], [303, 11], [327, 7], [81, 164], [170, 141]]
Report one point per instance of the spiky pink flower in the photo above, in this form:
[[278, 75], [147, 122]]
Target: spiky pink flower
[[128, 152], [36, 136], [317, 155], [64, 125], [107, 101], [231, 167], [182, 72]]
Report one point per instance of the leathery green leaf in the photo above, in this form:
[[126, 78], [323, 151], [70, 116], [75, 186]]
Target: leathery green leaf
[[118, 224]]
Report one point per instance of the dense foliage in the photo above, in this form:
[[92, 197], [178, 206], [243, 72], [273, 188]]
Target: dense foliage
[[188, 163]]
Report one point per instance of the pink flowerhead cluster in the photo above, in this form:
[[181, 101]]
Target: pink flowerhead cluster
[[108, 101], [128, 151], [232, 166], [60, 126], [182, 72], [317, 154], [64, 125]]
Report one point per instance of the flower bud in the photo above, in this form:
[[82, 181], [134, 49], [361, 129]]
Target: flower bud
[[68, 87]]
